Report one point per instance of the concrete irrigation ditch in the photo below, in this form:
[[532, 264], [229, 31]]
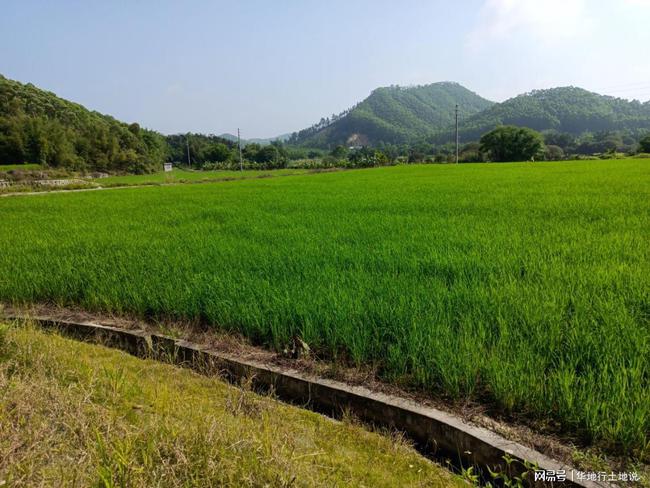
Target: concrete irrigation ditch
[[435, 432]]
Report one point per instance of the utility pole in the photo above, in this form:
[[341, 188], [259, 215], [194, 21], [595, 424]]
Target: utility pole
[[187, 143], [241, 164], [456, 133]]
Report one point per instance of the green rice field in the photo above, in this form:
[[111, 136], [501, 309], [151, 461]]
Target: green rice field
[[524, 286]]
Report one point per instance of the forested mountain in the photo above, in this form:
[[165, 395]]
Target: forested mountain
[[568, 109], [36, 126], [399, 115], [393, 115]]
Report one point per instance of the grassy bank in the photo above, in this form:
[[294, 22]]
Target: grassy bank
[[521, 286], [24, 167], [31, 184], [74, 414], [177, 175]]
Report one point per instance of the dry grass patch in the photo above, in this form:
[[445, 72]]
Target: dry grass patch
[[75, 414]]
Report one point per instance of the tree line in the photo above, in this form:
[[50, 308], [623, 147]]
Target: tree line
[[504, 143]]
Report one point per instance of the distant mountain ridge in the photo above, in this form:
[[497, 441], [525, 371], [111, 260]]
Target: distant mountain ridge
[[565, 109], [256, 140], [394, 115], [400, 115]]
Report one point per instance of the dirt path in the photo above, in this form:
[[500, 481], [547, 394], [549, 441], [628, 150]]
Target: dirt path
[[75, 190]]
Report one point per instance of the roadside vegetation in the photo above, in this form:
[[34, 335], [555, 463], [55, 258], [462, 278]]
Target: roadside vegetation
[[522, 287], [74, 414]]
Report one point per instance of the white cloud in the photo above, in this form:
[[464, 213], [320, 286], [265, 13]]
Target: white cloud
[[547, 21]]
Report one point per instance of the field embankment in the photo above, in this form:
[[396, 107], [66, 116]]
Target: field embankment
[[27, 182], [523, 287], [184, 176]]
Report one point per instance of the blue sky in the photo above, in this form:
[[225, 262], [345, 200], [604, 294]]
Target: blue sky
[[272, 67]]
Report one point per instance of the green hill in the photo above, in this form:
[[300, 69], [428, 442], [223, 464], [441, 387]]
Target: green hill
[[36, 126], [566, 109], [394, 115], [405, 115]]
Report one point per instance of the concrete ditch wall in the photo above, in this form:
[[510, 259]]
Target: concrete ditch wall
[[435, 432]]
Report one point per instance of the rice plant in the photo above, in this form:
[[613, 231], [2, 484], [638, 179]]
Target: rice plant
[[523, 286]]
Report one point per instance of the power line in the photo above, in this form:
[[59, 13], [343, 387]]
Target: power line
[[241, 164], [456, 133], [620, 90], [187, 143], [625, 85]]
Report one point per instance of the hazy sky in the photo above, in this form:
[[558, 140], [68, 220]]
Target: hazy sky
[[271, 67]]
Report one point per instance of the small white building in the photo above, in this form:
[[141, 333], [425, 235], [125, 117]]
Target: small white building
[[168, 167]]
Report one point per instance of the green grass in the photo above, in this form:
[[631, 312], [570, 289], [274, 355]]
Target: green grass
[[178, 175], [74, 414], [25, 167], [521, 286]]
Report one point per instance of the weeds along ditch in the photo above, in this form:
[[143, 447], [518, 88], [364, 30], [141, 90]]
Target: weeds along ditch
[[523, 286], [139, 423]]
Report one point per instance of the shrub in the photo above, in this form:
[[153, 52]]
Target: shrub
[[510, 143], [644, 144], [553, 153]]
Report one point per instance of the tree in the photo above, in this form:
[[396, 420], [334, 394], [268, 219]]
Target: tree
[[366, 158], [270, 156], [611, 141], [251, 151], [510, 143], [564, 140], [415, 155], [282, 153], [215, 153], [553, 153], [12, 141], [339, 152], [471, 153], [266, 154], [644, 144]]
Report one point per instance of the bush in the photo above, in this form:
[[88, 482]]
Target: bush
[[553, 153], [644, 144], [584, 157], [510, 143]]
